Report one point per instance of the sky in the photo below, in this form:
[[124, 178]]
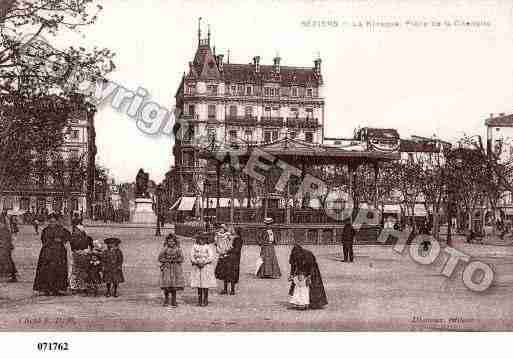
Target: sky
[[420, 79]]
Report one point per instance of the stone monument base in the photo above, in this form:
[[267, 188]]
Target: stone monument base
[[143, 211]]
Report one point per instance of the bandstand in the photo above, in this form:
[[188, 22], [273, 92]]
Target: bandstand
[[291, 221]]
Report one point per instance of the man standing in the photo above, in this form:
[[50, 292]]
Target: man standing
[[347, 241], [52, 266], [7, 267]]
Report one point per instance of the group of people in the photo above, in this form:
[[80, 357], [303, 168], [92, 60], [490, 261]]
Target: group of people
[[92, 264], [212, 257]]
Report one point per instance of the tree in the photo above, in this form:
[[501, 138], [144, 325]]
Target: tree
[[35, 101]]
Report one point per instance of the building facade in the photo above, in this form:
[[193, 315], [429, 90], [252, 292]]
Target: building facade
[[42, 193], [499, 140], [241, 103]]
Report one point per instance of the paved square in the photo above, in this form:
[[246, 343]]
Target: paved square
[[381, 290]]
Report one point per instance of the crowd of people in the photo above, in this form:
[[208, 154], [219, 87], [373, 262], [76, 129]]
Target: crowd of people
[[95, 264]]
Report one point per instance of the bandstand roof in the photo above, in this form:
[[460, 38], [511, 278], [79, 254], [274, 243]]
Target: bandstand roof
[[297, 151]]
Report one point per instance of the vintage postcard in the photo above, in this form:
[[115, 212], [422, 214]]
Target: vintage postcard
[[292, 166]]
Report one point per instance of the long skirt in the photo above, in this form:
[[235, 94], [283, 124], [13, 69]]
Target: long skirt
[[270, 267], [7, 267], [171, 276], [52, 269], [79, 268]]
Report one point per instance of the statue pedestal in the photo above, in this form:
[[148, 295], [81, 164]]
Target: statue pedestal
[[143, 212]]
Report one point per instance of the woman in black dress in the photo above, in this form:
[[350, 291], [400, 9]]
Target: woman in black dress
[[52, 266], [228, 266], [303, 262]]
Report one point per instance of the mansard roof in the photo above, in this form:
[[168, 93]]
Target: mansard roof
[[205, 66], [502, 120]]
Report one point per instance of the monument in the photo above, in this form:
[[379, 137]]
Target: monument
[[143, 210]]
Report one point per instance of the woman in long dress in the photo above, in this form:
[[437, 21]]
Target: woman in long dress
[[303, 264], [269, 267], [228, 266], [52, 266], [202, 274], [81, 244], [7, 267]]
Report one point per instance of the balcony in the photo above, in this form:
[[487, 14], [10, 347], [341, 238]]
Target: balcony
[[241, 120], [271, 121], [302, 122], [189, 116]]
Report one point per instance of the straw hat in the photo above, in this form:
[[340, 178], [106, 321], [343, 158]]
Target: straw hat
[[268, 220]]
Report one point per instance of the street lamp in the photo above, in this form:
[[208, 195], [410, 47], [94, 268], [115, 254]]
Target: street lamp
[[157, 209]]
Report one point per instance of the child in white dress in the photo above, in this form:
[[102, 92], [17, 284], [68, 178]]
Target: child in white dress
[[301, 296]]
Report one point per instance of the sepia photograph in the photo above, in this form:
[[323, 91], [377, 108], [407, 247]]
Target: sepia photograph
[[259, 166]]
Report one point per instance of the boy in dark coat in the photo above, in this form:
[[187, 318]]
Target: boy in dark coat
[[348, 234]]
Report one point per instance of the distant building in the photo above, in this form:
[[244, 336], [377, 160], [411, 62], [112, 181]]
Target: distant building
[[41, 191]]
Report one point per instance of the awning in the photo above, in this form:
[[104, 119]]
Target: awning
[[391, 208], [16, 212], [187, 203], [420, 210], [223, 202]]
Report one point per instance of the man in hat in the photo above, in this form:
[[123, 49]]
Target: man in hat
[[348, 234], [52, 267]]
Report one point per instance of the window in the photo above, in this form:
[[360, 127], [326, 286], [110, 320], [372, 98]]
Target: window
[[293, 134], [267, 111], [8, 203], [294, 91], [25, 204], [234, 90], [191, 110], [189, 89], [309, 92], [211, 111], [240, 89], [73, 154], [233, 111], [275, 135], [267, 91], [248, 111], [294, 112], [248, 135], [267, 136], [249, 91], [309, 112], [212, 89], [309, 137], [276, 92], [211, 133]]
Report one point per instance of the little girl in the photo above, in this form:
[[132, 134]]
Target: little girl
[[112, 266], [202, 274], [94, 276], [171, 272], [223, 241], [300, 297]]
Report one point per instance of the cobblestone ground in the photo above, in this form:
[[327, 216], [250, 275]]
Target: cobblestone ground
[[381, 290]]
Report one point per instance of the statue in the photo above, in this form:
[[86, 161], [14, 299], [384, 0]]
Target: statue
[[141, 184]]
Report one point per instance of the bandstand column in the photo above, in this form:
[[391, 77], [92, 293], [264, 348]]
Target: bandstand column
[[376, 176]]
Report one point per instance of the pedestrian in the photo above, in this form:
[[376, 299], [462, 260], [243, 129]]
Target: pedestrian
[[94, 269], [52, 266], [304, 271], [112, 261], [228, 266], [7, 266], [202, 274], [35, 223], [269, 267], [348, 234], [171, 271], [14, 225], [81, 246]]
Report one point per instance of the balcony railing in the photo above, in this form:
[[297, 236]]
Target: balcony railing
[[241, 120], [271, 121], [189, 116], [302, 122]]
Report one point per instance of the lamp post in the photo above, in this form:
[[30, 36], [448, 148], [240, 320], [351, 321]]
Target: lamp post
[[157, 210]]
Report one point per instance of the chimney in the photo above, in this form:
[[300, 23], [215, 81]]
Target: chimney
[[256, 62], [317, 64], [491, 115], [220, 62], [276, 61], [502, 114]]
